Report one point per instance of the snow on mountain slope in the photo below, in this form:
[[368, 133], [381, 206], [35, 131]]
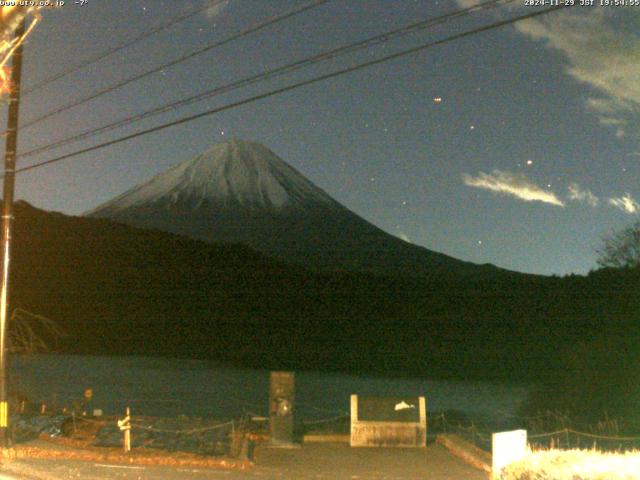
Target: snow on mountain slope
[[237, 173]]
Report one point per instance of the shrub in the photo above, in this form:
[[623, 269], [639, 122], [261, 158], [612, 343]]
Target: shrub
[[574, 465]]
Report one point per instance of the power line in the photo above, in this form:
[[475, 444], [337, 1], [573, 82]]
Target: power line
[[259, 26], [323, 56], [121, 46], [294, 86]]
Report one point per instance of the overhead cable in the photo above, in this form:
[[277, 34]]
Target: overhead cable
[[292, 87], [102, 55], [272, 73], [245, 31]]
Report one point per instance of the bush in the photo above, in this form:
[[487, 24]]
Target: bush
[[574, 465]]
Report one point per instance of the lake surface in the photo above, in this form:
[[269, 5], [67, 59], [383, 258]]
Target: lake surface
[[170, 387]]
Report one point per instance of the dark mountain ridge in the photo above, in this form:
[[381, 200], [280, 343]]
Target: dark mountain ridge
[[121, 290]]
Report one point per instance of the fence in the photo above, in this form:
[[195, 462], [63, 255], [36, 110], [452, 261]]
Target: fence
[[211, 437], [177, 433], [571, 434], [193, 435]]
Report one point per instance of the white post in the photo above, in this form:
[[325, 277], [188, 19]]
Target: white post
[[127, 434], [423, 417], [507, 447], [125, 426]]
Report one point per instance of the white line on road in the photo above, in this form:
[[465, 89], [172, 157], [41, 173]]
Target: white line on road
[[117, 466], [209, 472]]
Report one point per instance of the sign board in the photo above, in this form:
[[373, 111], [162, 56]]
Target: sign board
[[388, 421], [507, 447], [389, 409], [281, 398]]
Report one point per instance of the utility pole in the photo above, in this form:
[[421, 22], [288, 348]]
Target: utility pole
[[7, 220]]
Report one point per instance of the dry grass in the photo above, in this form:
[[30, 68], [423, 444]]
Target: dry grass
[[575, 465], [75, 449]]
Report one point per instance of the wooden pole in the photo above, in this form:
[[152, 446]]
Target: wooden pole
[[7, 218]]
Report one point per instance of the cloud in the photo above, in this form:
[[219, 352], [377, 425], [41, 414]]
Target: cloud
[[605, 58], [404, 236], [216, 8], [577, 194], [468, 3], [473, 3], [516, 185], [626, 203]]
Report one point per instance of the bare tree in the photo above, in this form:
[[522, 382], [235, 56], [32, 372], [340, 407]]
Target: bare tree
[[621, 249], [31, 333]]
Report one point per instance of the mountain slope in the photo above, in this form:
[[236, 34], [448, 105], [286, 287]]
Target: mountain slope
[[241, 192]]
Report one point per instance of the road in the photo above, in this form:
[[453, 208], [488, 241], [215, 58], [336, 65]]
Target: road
[[313, 461]]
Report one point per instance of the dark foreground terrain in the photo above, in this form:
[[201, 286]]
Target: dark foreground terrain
[[119, 290]]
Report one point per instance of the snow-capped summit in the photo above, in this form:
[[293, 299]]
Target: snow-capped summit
[[242, 192], [235, 173]]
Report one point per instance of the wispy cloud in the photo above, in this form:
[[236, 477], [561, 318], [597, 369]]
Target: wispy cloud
[[216, 8], [578, 194], [626, 203], [473, 3], [514, 184], [603, 57]]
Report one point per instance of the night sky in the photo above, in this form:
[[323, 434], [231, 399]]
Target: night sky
[[518, 146]]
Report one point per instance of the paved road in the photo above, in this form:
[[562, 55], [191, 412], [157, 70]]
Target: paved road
[[313, 461]]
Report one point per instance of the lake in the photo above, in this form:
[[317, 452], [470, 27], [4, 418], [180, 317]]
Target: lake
[[170, 387]]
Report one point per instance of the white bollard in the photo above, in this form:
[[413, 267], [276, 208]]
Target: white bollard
[[507, 447]]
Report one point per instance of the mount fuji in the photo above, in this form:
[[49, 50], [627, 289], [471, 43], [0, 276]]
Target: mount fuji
[[242, 192]]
